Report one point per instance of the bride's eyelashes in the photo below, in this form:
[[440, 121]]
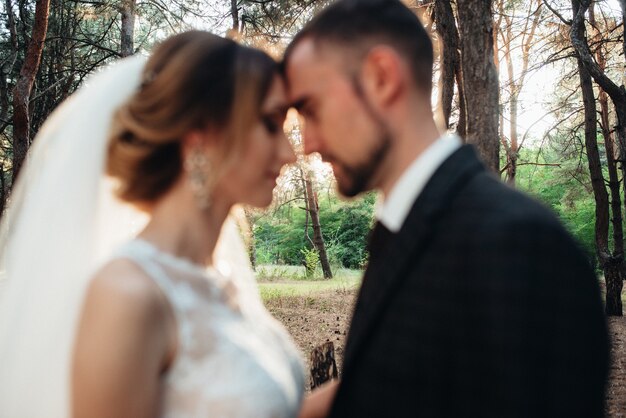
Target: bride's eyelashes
[[271, 123]]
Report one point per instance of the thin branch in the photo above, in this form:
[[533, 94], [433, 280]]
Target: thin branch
[[559, 15]]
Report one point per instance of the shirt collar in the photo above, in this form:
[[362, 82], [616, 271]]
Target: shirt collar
[[393, 210]]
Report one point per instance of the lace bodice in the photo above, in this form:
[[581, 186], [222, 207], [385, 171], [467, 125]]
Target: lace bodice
[[234, 359]]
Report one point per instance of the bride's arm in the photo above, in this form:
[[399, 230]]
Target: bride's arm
[[317, 403], [123, 344]]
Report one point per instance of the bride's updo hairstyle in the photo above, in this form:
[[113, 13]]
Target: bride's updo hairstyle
[[192, 81]]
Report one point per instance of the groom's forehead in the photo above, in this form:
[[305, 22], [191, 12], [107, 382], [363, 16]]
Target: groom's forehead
[[318, 55], [312, 64], [305, 72]]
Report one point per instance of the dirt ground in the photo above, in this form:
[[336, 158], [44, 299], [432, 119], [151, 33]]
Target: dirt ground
[[314, 320], [325, 316]]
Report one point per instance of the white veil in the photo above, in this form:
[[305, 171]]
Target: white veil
[[55, 232]]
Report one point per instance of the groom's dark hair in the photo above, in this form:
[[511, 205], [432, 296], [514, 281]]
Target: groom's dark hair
[[357, 25]]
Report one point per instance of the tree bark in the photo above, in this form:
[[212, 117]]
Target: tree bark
[[323, 364], [249, 237], [614, 284], [451, 59], [234, 10], [480, 79], [128, 28], [7, 67], [24, 85], [450, 64], [3, 191], [235, 31]]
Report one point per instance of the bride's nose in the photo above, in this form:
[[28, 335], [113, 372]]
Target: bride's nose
[[286, 153]]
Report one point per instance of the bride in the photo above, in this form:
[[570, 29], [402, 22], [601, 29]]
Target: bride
[[127, 290]]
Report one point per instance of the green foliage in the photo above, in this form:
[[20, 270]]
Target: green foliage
[[348, 227], [562, 184], [280, 236], [311, 260]]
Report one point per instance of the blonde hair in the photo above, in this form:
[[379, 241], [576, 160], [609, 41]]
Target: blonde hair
[[194, 80]]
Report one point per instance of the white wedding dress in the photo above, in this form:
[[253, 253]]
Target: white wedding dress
[[63, 222], [234, 360]]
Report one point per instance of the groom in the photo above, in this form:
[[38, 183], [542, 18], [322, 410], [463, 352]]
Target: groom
[[476, 302]]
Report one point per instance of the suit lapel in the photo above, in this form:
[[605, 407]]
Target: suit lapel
[[385, 274]]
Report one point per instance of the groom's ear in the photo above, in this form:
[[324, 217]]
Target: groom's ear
[[384, 76]]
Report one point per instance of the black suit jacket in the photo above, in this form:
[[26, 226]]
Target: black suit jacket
[[481, 306]]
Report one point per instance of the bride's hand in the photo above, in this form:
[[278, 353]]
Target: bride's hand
[[317, 403]]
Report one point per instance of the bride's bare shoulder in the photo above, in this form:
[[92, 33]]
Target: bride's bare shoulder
[[123, 285], [124, 278], [123, 304]]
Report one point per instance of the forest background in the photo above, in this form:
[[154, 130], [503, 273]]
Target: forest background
[[536, 85]]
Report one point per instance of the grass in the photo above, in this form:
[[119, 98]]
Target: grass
[[289, 282]]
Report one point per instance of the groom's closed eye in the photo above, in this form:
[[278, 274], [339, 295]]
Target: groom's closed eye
[[303, 106], [306, 109]]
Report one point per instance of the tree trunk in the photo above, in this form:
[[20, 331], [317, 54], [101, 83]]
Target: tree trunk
[[511, 148], [24, 85], [128, 27], [451, 65], [461, 127], [611, 274], [6, 70], [323, 364], [614, 284], [249, 237], [610, 149], [3, 191], [480, 79], [318, 239], [234, 10], [235, 31], [588, 67], [516, 85], [451, 61]]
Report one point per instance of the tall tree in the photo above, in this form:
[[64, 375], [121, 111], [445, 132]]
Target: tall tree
[[24, 85], [127, 43], [612, 152], [450, 63], [313, 209], [612, 262], [526, 37], [480, 79]]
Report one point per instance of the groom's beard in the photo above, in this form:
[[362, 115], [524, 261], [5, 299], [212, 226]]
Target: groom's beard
[[358, 178]]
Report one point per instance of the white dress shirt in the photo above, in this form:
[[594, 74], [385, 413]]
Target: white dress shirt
[[393, 210]]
